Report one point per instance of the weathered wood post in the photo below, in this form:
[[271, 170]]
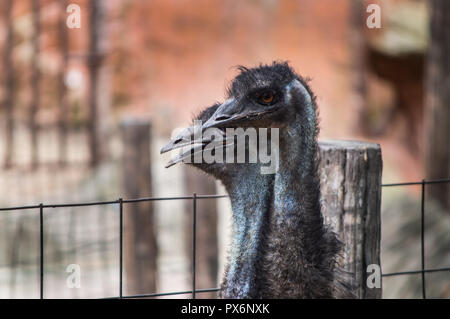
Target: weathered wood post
[[350, 178], [140, 243], [206, 239]]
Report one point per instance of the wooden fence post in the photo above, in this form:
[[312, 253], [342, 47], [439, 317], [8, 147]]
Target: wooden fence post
[[350, 177], [207, 242], [140, 243]]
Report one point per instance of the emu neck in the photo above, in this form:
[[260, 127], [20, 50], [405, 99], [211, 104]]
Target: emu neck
[[298, 256], [251, 201], [296, 186], [280, 247]]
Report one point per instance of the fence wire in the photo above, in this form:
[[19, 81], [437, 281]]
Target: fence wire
[[195, 197]]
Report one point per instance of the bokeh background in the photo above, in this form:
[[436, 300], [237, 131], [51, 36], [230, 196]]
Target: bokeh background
[[69, 95]]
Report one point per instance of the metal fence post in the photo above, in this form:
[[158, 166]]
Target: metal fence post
[[422, 238], [41, 250], [207, 233], [121, 248], [194, 242]]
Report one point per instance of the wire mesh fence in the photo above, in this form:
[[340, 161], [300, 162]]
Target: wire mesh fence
[[120, 203]]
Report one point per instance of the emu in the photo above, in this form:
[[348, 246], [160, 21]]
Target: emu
[[281, 247]]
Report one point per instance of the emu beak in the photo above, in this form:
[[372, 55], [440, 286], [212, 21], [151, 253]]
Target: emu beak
[[226, 114], [192, 139], [231, 113], [193, 142], [185, 138], [194, 149]]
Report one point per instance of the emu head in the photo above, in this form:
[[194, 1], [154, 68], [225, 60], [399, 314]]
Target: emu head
[[268, 96]]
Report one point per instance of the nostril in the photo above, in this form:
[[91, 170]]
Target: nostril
[[177, 141], [223, 117]]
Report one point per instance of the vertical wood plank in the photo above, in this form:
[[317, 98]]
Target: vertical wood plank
[[63, 109], [140, 242], [437, 115], [34, 83], [8, 100], [98, 81]]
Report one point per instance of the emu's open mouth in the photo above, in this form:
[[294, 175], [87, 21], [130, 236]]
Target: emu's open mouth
[[193, 142]]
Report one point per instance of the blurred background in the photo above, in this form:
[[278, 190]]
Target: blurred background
[[84, 112]]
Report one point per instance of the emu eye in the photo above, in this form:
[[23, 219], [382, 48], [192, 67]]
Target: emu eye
[[266, 98]]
